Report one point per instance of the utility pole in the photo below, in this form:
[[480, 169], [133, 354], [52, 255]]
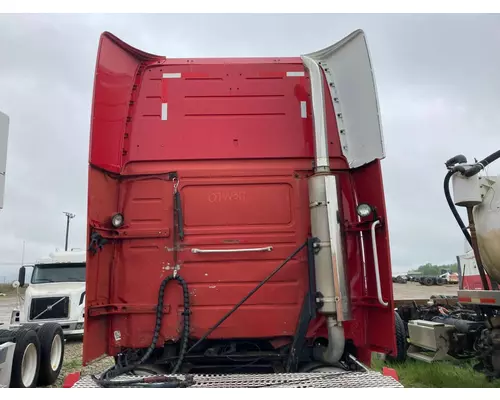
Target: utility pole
[[4, 133], [69, 216]]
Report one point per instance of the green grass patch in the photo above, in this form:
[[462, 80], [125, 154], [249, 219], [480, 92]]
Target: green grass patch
[[72, 365], [418, 374]]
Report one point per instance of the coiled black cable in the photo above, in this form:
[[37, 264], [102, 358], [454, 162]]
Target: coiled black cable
[[104, 380]]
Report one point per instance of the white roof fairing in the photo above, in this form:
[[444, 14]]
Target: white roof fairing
[[64, 257]]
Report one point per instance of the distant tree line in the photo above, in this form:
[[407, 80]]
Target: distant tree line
[[433, 269]]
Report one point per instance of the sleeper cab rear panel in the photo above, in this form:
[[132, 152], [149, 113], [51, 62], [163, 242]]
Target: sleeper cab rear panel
[[221, 213]]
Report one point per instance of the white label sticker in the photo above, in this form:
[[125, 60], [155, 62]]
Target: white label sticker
[[164, 111], [303, 109], [172, 75]]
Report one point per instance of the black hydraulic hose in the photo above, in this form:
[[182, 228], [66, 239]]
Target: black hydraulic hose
[[476, 168], [262, 283], [459, 159], [113, 373], [178, 212], [452, 206]]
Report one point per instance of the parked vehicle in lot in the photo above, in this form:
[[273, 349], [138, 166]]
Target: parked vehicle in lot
[[32, 345], [56, 292], [469, 326], [470, 277], [432, 280], [31, 355], [400, 279]]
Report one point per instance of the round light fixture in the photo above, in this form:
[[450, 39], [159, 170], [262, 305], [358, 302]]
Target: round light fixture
[[117, 220], [364, 210]]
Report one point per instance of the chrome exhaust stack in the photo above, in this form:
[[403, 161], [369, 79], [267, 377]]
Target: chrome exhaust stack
[[323, 203], [351, 88]]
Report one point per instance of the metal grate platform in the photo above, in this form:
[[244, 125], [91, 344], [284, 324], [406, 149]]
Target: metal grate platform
[[369, 379]]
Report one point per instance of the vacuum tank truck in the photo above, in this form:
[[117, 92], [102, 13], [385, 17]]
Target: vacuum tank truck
[[237, 224], [479, 195]]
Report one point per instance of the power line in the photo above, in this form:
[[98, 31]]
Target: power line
[[12, 263]]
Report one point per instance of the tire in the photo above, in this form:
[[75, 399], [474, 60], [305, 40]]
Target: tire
[[428, 281], [440, 281], [401, 342], [6, 336], [51, 354], [26, 361]]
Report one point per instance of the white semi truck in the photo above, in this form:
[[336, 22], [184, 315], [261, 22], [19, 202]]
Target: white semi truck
[[32, 346], [56, 292]]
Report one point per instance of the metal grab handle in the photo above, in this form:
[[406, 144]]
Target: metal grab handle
[[269, 248], [375, 261]]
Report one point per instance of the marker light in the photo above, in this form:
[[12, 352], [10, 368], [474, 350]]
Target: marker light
[[117, 220], [364, 210]]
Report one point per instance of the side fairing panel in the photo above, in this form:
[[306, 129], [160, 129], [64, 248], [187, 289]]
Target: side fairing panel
[[379, 322], [117, 69]]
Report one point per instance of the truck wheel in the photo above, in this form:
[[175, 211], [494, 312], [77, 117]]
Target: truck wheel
[[401, 342], [428, 281], [440, 281], [6, 336], [26, 362], [52, 353]]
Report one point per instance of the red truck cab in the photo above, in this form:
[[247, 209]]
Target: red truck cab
[[200, 170]]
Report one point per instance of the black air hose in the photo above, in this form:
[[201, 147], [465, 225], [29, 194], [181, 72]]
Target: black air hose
[[476, 168], [250, 294], [452, 206], [159, 318], [106, 377], [458, 159]]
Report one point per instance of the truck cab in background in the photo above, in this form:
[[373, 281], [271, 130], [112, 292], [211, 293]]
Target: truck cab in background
[[55, 293]]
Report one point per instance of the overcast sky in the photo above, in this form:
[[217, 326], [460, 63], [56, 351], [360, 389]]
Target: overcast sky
[[438, 83]]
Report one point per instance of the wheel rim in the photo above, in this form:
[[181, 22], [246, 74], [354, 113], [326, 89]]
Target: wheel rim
[[29, 365], [55, 352]]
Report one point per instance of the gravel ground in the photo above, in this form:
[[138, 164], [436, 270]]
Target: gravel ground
[[416, 291], [73, 362]]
